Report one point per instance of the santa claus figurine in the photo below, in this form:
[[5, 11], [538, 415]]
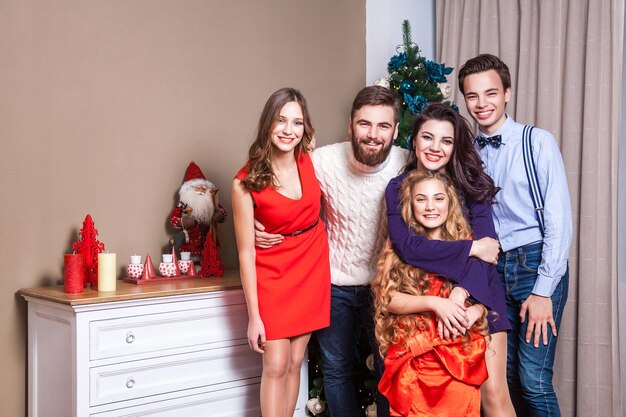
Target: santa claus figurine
[[195, 219]]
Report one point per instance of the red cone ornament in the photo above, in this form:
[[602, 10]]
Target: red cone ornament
[[192, 270], [175, 260], [148, 269]]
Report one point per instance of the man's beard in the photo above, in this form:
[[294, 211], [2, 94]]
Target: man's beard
[[370, 158], [201, 205]]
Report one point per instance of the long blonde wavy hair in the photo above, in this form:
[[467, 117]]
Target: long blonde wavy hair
[[393, 275]]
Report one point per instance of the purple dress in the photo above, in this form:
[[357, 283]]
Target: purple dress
[[451, 258]]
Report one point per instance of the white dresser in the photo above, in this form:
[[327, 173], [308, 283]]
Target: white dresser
[[167, 349]]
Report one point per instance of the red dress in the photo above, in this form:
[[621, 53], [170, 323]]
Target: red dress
[[293, 277], [435, 377]]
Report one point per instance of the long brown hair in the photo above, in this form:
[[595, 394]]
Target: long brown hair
[[393, 275], [465, 166], [260, 173]]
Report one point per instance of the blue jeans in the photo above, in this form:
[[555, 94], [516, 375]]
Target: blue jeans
[[351, 306], [529, 369]]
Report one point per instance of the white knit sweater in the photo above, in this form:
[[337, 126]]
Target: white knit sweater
[[353, 201]]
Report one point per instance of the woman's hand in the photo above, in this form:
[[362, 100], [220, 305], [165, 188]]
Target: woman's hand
[[256, 335], [452, 317], [458, 295], [475, 313], [486, 249]]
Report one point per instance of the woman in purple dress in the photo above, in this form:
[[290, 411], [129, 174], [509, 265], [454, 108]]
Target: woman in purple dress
[[443, 140]]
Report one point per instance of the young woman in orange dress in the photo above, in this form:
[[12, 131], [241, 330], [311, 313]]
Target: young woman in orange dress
[[425, 374], [287, 286]]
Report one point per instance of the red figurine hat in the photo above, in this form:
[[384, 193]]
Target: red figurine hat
[[194, 178], [193, 172]]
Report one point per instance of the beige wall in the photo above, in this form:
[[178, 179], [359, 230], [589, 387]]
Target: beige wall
[[104, 103]]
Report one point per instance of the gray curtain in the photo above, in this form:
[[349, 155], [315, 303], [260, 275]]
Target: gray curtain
[[565, 59]]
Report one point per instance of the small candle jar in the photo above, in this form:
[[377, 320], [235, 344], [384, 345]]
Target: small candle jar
[[183, 265], [167, 269], [134, 270]]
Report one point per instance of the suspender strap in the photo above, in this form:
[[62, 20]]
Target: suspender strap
[[531, 175]]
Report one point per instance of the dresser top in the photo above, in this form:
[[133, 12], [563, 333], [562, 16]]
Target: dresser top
[[126, 291]]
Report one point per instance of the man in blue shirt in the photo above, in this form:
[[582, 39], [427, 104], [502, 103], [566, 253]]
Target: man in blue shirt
[[533, 259]]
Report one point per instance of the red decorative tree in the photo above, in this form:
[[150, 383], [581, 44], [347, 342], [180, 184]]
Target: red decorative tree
[[211, 265], [90, 247]]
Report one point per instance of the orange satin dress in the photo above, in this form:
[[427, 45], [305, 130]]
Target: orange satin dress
[[434, 377], [293, 277]]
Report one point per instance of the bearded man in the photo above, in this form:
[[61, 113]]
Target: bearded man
[[197, 213], [353, 176]]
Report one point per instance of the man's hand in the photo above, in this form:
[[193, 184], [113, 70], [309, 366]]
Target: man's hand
[[485, 249], [263, 239], [539, 317]]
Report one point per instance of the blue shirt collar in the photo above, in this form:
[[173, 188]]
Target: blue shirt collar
[[506, 130]]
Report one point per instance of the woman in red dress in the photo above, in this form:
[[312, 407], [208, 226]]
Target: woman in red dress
[[425, 374], [287, 286]]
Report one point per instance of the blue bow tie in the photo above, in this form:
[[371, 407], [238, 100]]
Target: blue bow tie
[[494, 141]]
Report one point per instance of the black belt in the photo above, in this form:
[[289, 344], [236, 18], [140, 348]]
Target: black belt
[[306, 229]]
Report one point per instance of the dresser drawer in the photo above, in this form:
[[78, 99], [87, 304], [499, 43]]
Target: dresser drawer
[[150, 377], [157, 332], [233, 402]]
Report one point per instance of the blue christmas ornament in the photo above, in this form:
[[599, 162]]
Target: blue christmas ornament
[[436, 72], [407, 86], [396, 62], [415, 104]]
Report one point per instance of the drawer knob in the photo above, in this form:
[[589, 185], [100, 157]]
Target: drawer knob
[[130, 337], [130, 382]]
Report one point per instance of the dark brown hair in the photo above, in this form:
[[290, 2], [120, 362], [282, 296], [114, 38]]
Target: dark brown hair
[[260, 173], [465, 166], [376, 95], [482, 63]]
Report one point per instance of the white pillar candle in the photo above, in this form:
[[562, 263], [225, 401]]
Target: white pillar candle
[[185, 256], [135, 259], [167, 258], [106, 272]]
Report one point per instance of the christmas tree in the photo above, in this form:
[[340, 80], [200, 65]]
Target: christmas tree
[[211, 264], [89, 245], [416, 81], [365, 380]]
